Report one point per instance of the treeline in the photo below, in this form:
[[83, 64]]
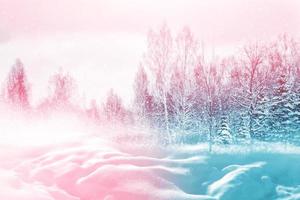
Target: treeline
[[62, 96], [252, 95]]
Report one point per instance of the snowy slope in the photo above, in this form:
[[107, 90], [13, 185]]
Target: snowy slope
[[89, 166]]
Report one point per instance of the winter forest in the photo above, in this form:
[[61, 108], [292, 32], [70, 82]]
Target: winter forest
[[150, 100], [186, 95]]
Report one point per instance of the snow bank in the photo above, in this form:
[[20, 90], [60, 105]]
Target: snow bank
[[88, 165], [97, 171], [263, 171]]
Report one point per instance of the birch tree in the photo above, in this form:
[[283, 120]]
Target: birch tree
[[208, 79], [182, 87], [143, 100], [158, 59]]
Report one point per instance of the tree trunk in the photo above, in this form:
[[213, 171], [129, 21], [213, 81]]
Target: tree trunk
[[166, 115], [210, 136]]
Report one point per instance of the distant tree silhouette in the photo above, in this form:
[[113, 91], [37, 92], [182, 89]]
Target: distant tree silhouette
[[158, 59], [113, 108], [93, 111], [143, 100], [61, 89], [16, 89]]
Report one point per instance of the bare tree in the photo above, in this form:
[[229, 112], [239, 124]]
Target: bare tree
[[182, 85], [158, 59], [143, 100], [208, 79]]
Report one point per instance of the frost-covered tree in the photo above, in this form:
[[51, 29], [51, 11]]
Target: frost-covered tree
[[182, 102], [208, 79], [61, 93], [250, 75], [182, 87], [242, 135], [284, 60], [281, 110], [143, 100], [295, 116], [295, 96], [261, 116], [113, 108], [16, 89], [61, 88], [158, 59], [224, 135], [93, 111]]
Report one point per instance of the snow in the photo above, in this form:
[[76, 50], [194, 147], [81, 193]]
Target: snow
[[236, 175], [89, 164], [288, 193]]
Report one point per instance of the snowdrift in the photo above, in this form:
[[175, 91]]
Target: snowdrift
[[85, 164]]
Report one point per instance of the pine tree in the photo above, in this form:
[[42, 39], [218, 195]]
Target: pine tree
[[295, 116], [260, 117], [281, 110], [158, 59], [224, 134], [243, 136]]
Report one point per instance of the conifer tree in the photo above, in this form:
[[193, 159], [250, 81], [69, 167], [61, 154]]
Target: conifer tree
[[224, 134], [261, 116], [281, 110], [243, 136]]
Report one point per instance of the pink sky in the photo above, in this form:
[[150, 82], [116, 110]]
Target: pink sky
[[222, 21], [109, 37]]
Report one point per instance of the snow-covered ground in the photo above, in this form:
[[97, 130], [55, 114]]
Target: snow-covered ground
[[51, 159]]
